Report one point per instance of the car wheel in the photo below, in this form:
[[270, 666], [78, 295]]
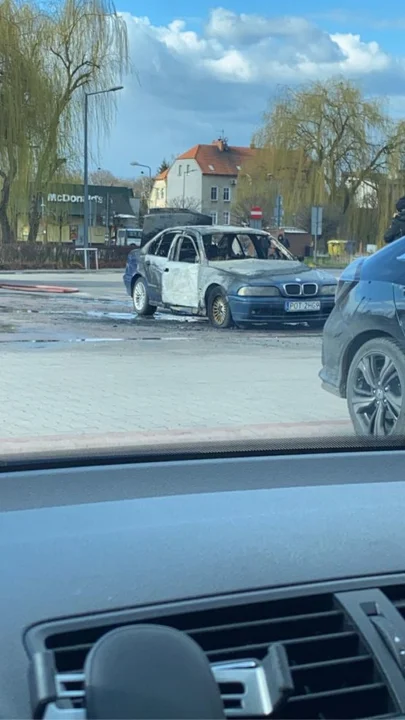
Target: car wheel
[[219, 312], [140, 298], [376, 389]]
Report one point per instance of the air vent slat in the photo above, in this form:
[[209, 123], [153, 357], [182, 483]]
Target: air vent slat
[[334, 706], [328, 616], [334, 675]]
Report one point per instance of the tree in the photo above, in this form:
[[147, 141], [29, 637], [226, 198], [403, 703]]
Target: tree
[[84, 49], [186, 203], [104, 177], [267, 174], [164, 165], [342, 139], [24, 95]]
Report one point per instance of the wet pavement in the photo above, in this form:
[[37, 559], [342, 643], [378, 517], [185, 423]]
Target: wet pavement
[[102, 311], [83, 364]]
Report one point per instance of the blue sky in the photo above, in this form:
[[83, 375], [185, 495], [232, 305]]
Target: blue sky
[[201, 68]]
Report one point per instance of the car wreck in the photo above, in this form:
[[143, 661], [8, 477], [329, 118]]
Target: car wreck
[[232, 275]]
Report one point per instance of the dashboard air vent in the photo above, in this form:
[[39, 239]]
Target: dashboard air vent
[[333, 672], [396, 593]]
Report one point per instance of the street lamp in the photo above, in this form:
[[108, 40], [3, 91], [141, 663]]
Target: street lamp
[[138, 164], [86, 167]]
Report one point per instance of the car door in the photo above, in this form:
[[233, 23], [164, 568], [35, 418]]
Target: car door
[[180, 281], [155, 263]]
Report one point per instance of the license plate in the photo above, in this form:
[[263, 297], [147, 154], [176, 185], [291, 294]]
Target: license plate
[[302, 305]]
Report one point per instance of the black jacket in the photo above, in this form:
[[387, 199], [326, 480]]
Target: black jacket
[[397, 227]]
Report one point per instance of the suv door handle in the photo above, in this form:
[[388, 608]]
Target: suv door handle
[[147, 262], [166, 269]]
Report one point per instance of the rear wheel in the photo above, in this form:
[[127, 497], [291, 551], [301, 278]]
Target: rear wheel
[[376, 389], [219, 312], [140, 298]]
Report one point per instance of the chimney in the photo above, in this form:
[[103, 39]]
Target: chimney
[[221, 144]]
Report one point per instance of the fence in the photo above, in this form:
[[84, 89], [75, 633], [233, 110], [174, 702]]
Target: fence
[[53, 256]]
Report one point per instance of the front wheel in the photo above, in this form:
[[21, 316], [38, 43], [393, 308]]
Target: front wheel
[[140, 298], [219, 312], [376, 389]]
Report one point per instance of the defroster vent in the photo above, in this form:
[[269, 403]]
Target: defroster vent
[[333, 672]]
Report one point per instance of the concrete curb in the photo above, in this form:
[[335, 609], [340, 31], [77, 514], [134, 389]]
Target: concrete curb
[[147, 440]]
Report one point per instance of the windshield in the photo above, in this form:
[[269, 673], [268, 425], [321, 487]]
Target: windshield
[[243, 245], [181, 187]]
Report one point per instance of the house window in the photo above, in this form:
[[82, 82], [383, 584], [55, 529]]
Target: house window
[[179, 171], [188, 169], [227, 194], [227, 217], [214, 193], [162, 193], [214, 216]]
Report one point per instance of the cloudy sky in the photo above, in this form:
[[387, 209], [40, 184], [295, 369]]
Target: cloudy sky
[[203, 69]]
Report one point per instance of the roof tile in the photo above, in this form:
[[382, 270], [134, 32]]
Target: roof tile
[[214, 161]]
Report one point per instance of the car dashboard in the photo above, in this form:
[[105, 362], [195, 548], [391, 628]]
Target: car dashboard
[[301, 551]]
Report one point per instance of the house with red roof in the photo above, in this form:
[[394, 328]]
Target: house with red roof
[[158, 196], [204, 179]]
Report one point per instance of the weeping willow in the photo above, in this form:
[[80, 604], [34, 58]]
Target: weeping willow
[[326, 145], [85, 49], [23, 97]]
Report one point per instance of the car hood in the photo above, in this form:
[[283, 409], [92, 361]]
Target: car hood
[[265, 270]]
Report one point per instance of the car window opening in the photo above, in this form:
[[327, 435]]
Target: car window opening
[[243, 246]]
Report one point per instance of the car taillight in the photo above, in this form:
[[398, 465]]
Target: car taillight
[[343, 289], [349, 278]]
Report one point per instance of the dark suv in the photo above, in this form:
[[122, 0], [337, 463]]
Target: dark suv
[[363, 352]]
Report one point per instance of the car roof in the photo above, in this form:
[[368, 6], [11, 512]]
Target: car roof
[[205, 229]]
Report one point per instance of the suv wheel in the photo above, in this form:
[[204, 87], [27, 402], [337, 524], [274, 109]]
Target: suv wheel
[[376, 389]]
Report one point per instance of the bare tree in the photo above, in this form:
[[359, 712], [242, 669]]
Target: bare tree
[[186, 203]]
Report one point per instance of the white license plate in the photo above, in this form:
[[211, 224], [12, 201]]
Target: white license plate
[[302, 305]]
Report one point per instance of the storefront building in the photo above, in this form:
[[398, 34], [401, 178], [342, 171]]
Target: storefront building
[[62, 214]]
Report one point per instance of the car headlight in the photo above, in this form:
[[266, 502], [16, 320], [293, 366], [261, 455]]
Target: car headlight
[[328, 290], [258, 291]]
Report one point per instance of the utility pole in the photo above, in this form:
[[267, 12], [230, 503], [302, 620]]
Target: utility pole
[[86, 213]]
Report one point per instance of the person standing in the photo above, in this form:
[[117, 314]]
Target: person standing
[[284, 240], [397, 228]]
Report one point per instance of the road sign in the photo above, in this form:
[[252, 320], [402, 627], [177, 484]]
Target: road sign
[[256, 213], [316, 220]]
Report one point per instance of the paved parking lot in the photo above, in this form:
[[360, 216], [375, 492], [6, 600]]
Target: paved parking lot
[[83, 365]]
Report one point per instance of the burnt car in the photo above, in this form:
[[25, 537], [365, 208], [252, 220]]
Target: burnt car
[[230, 274], [363, 350]]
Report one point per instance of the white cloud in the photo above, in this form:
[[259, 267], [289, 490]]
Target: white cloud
[[190, 85]]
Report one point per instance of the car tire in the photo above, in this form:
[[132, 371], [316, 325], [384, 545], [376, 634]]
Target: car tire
[[140, 298], [376, 389], [219, 312]]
